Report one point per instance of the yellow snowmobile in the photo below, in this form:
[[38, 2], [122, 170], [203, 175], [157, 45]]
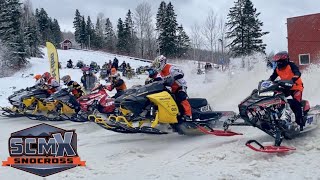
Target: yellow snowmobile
[[35, 103], [154, 105]]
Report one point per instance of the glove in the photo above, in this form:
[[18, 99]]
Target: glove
[[168, 80], [109, 88]]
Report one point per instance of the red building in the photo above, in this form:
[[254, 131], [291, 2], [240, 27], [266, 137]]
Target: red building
[[66, 44], [304, 39]]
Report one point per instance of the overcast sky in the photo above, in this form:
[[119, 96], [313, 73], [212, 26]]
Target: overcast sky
[[273, 13]]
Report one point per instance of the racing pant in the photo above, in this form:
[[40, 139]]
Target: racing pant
[[296, 106], [181, 98]]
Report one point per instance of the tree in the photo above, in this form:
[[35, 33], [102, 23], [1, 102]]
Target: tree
[[121, 43], [11, 32], [196, 39], [56, 34], [31, 31], [90, 34], [244, 29], [210, 33], [77, 25], [83, 33], [110, 36], [44, 25], [129, 33], [98, 41], [167, 35], [143, 20], [183, 42], [161, 16]]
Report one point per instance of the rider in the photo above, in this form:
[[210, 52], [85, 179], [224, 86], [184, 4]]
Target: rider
[[118, 84], [52, 84], [287, 70], [174, 77], [73, 86]]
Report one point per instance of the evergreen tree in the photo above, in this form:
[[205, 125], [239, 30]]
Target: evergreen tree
[[31, 31], [56, 34], [167, 35], [129, 33], [244, 29], [44, 24], [83, 33], [77, 25], [11, 32], [121, 43], [98, 41], [161, 16], [90, 34], [109, 36], [183, 41]]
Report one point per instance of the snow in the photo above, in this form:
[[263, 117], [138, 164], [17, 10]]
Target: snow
[[140, 156]]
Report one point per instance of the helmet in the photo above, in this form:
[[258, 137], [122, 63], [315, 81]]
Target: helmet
[[281, 59], [46, 76], [37, 76], [159, 63], [152, 72], [66, 79]]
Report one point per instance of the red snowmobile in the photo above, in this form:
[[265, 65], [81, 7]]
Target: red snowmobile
[[98, 100], [268, 109]]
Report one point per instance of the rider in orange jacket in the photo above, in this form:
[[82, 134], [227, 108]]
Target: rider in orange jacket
[[287, 70]]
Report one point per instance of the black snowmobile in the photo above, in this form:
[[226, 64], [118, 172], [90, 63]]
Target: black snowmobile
[[154, 104], [268, 109], [69, 64], [80, 64]]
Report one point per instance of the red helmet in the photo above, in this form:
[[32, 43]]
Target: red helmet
[[281, 59], [281, 56], [46, 76]]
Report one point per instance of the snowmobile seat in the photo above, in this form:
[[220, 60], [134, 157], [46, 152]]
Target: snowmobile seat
[[205, 116], [197, 103]]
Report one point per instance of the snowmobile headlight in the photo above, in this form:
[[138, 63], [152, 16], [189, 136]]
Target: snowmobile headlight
[[268, 93]]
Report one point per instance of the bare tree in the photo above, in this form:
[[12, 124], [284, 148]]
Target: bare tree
[[210, 32], [143, 21], [196, 40], [151, 41]]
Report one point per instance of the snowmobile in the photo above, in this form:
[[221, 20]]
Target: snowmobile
[[69, 64], [26, 100], [97, 100], [80, 64], [104, 73], [268, 109], [94, 66], [153, 104]]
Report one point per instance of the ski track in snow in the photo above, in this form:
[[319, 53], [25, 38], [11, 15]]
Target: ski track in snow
[[140, 156]]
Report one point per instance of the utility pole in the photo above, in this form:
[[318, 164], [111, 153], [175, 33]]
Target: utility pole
[[220, 40]]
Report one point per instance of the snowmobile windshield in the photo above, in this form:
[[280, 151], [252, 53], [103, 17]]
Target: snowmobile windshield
[[62, 92], [265, 85]]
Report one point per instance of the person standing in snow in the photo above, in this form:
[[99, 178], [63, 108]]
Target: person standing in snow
[[173, 76], [115, 63]]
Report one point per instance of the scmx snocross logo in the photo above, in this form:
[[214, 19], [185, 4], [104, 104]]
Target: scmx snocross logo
[[43, 150]]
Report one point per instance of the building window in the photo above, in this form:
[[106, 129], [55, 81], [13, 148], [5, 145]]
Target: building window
[[304, 59]]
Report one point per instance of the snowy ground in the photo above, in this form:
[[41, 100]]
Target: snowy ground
[[120, 156]]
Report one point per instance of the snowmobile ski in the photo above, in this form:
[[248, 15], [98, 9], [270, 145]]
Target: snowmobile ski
[[208, 130], [269, 148]]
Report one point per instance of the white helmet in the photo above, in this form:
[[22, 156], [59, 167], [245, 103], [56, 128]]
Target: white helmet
[[159, 63]]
